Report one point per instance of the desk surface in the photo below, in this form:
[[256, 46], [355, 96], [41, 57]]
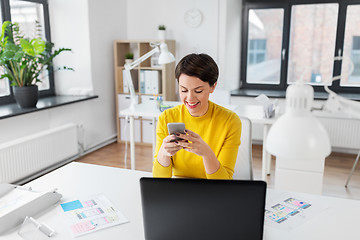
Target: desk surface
[[121, 186]]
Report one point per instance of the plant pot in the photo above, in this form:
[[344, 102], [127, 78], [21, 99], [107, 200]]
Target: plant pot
[[26, 97], [162, 34], [128, 61]]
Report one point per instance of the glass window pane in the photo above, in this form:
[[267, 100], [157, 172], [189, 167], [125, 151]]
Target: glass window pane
[[4, 86], [351, 48], [4, 83], [265, 43], [312, 43], [27, 14]]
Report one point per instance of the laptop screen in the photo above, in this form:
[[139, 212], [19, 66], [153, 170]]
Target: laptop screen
[[202, 209]]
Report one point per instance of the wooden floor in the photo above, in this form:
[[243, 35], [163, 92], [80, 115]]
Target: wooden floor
[[337, 167]]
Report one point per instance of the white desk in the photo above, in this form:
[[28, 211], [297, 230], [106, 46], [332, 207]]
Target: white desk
[[256, 114], [142, 110], [122, 188], [253, 112]]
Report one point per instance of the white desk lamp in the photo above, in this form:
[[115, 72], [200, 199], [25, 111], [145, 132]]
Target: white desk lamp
[[164, 58], [299, 142], [338, 105]]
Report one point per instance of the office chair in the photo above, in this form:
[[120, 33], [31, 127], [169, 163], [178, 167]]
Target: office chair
[[220, 96], [243, 166]]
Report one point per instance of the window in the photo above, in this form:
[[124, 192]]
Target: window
[[264, 46], [286, 41], [352, 47], [27, 13]]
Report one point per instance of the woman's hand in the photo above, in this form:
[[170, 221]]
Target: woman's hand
[[194, 143], [168, 148]]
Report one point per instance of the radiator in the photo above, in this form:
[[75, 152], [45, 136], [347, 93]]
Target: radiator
[[343, 133], [29, 155]]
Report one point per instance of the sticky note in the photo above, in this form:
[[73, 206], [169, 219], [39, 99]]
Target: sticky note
[[71, 205]]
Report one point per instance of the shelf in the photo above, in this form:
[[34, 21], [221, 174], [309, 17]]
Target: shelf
[[166, 86]]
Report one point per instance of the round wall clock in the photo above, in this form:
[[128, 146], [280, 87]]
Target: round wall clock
[[193, 17]]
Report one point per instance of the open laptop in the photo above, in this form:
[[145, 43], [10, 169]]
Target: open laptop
[[179, 209]]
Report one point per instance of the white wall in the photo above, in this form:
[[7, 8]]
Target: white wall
[[89, 27], [218, 35]]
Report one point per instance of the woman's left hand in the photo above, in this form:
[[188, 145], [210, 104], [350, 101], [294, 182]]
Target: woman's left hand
[[194, 143]]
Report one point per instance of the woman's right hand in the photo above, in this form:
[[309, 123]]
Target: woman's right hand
[[168, 148]]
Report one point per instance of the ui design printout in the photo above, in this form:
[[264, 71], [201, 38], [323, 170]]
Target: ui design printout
[[91, 214], [287, 211]]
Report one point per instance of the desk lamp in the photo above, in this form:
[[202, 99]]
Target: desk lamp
[[338, 105], [164, 58], [299, 142]]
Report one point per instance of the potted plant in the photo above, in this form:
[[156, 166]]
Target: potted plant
[[129, 57], [162, 32], [23, 60]]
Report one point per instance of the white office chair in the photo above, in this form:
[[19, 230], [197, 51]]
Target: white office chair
[[220, 96], [243, 166]]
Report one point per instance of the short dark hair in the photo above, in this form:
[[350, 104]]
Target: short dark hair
[[201, 66]]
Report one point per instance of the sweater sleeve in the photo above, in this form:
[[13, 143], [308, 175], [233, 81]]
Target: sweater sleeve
[[161, 133], [228, 153]]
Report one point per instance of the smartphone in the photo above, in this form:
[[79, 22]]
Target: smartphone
[[176, 127]]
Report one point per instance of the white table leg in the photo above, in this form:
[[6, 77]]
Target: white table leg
[[132, 142], [154, 135], [267, 154], [264, 154]]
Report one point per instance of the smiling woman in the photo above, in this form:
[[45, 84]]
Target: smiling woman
[[209, 147]]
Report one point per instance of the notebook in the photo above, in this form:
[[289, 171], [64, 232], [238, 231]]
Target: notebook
[[179, 209]]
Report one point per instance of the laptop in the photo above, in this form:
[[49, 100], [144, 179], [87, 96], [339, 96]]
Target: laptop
[[178, 209]]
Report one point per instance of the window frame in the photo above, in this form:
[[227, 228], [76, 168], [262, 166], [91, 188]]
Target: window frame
[[6, 16], [286, 5]]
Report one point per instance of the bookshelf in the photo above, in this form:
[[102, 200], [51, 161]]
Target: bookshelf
[[149, 80]]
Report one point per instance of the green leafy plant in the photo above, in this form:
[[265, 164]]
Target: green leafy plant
[[24, 59], [129, 55], [162, 27]]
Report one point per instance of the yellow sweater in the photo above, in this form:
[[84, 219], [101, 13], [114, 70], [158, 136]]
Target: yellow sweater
[[220, 128]]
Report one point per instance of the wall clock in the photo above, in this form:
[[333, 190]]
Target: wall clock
[[193, 17]]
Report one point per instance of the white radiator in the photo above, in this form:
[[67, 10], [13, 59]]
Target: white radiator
[[343, 133], [27, 156]]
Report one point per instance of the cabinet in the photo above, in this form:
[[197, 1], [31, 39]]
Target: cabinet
[[149, 80]]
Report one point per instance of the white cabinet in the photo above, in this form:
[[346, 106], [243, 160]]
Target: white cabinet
[[147, 131], [125, 130]]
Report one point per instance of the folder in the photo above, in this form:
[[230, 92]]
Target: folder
[[142, 81], [155, 82], [125, 83], [148, 87], [18, 202]]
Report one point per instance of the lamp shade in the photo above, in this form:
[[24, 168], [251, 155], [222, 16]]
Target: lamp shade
[[302, 137], [165, 56], [297, 133]]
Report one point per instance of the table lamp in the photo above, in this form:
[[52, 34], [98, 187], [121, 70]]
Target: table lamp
[[164, 58], [300, 143]]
